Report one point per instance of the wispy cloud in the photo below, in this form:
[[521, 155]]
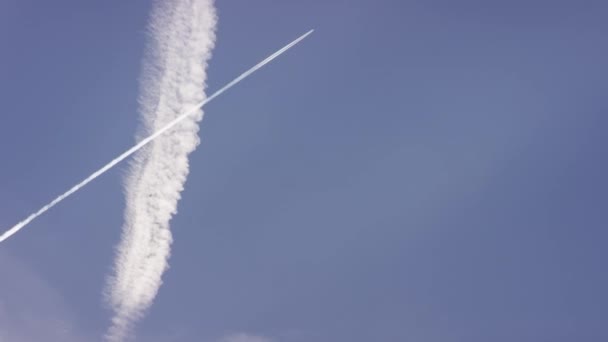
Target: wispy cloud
[[182, 35], [243, 337], [157, 175], [30, 308]]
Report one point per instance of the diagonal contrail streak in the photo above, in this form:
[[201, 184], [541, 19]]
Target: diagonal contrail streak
[[147, 140]]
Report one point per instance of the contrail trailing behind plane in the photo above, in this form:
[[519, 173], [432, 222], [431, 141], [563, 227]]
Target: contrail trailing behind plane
[[147, 140]]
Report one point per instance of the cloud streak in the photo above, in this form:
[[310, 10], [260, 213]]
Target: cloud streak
[[182, 35]]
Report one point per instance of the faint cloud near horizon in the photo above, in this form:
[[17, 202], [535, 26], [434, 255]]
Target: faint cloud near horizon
[[31, 309], [243, 337]]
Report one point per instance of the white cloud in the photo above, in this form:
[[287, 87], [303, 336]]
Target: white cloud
[[243, 337], [182, 35]]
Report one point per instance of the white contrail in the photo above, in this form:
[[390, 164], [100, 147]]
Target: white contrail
[[181, 40], [144, 142], [157, 176]]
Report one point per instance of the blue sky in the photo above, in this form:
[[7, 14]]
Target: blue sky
[[413, 171]]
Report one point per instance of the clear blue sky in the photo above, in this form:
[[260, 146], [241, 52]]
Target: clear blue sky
[[414, 171]]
